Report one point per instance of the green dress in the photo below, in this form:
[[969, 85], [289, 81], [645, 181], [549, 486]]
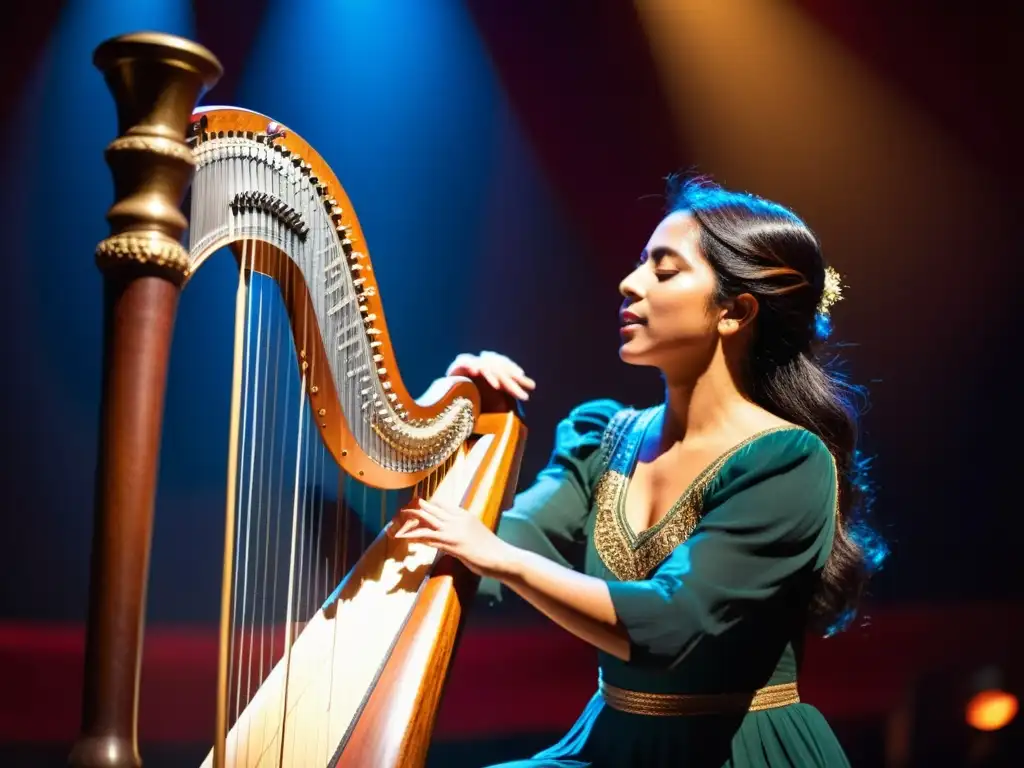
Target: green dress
[[714, 597]]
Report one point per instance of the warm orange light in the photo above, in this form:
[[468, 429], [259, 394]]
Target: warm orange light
[[991, 710]]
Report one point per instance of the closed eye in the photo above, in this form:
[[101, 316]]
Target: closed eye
[[664, 262]]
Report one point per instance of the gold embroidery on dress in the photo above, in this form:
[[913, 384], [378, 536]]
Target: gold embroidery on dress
[[627, 555], [609, 541]]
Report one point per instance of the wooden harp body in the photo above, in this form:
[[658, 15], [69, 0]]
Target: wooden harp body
[[349, 666]]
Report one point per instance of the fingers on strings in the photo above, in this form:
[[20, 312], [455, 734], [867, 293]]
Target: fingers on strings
[[420, 519]]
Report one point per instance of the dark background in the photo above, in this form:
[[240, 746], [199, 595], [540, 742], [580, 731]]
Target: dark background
[[507, 162]]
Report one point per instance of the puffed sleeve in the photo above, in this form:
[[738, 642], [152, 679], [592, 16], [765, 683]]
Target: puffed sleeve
[[549, 517], [769, 518]]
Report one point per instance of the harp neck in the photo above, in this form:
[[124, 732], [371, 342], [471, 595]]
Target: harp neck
[[264, 190]]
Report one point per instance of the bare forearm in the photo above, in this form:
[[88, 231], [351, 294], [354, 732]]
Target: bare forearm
[[579, 603]]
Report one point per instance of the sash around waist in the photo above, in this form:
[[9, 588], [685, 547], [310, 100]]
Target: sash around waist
[[683, 704]]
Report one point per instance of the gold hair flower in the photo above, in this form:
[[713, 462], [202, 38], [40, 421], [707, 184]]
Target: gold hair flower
[[832, 292]]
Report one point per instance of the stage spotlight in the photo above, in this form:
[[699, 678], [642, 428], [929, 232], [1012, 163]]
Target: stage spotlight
[[959, 716], [991, 707], [991, 710]]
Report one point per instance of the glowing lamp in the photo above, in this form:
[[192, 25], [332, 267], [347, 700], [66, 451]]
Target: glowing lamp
[[992, 709]]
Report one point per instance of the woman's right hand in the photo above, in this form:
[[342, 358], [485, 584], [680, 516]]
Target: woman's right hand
[[497, 370]]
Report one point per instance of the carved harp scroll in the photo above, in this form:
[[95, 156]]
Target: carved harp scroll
[[351, 668]]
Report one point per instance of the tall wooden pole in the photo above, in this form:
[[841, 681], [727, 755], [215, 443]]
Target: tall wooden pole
[[156, 81]]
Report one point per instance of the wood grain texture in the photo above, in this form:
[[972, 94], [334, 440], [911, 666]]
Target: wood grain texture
[[138, 320], [397, 721], [375, 658]]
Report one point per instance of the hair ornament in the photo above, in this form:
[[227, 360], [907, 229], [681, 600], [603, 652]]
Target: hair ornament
[[832, 292]]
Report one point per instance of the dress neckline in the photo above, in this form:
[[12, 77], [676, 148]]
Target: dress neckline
[[636, 539]]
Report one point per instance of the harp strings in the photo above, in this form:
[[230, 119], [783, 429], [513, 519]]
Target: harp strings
[[292, 526], [297, 523], [251, 411], [227, 648]]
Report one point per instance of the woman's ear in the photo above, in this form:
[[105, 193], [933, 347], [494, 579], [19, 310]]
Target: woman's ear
[[737, 314]]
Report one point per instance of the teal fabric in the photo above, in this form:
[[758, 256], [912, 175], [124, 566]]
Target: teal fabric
[[724, 612], [551, 516]]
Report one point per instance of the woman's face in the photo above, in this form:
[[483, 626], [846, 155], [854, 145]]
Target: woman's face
[[668, 308]]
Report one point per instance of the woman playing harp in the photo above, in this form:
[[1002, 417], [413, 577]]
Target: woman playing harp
[[709, 532]]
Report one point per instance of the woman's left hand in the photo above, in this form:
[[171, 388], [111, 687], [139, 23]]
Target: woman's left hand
[[456, 532]]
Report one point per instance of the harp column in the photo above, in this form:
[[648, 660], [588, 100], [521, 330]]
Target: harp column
[[156, 81]]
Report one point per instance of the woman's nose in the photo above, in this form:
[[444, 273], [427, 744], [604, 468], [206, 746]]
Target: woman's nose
[[630, 286]]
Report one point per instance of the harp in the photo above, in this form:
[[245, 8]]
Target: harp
[[351, 669]]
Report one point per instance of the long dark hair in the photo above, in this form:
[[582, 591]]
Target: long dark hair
[[759, 247]]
